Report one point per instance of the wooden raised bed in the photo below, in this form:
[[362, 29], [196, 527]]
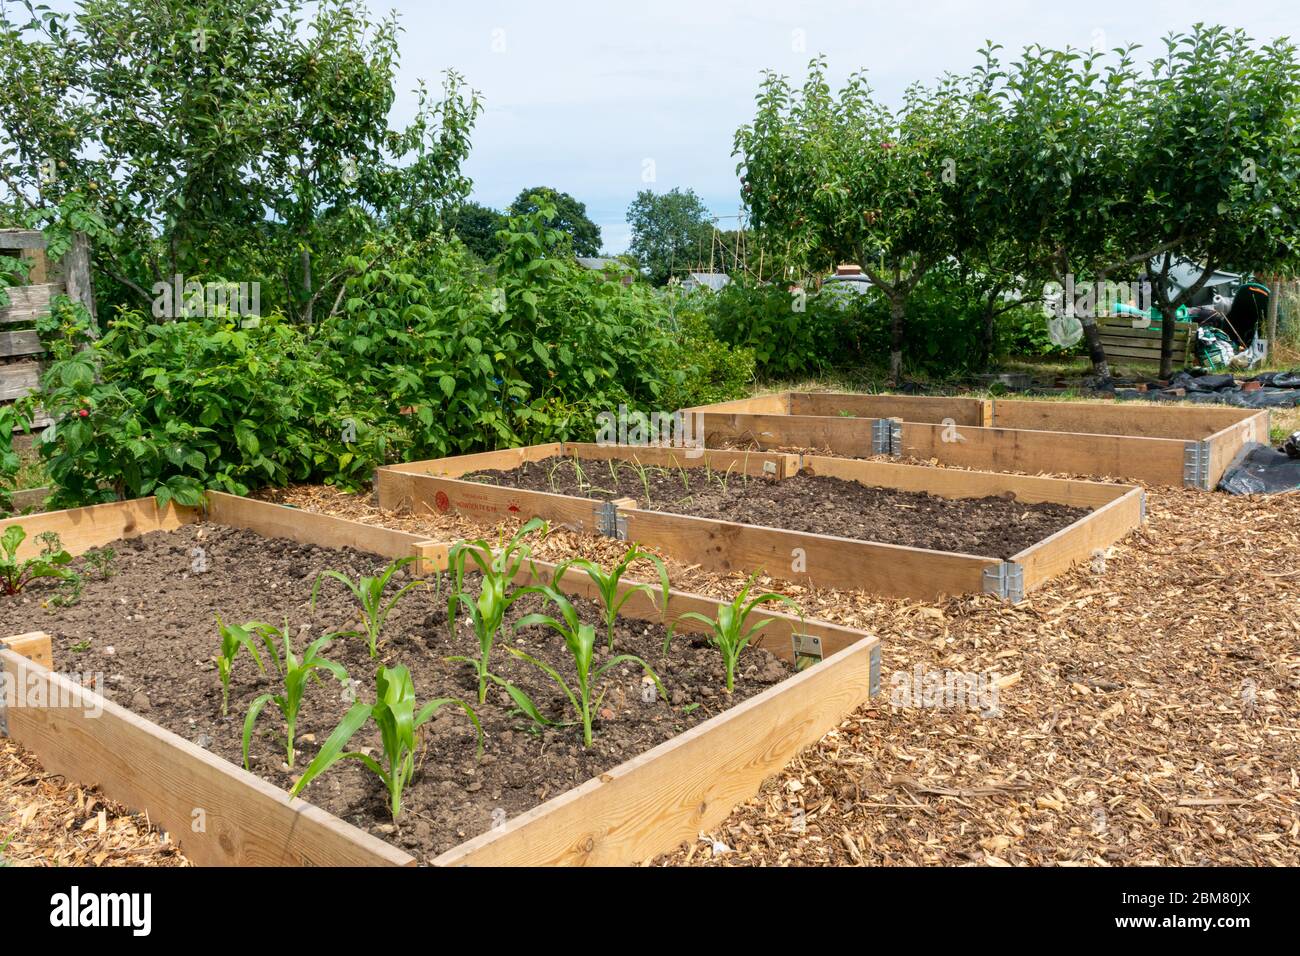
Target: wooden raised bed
[[644, 807], [1162, 444], [827, 561]]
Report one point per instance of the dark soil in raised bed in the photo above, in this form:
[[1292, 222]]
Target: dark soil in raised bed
[[151, 631], [998, 527]]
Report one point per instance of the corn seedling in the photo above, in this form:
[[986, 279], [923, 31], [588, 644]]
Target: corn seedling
[[728, 633], [580, 640], [233, 639], [16, 575], [395, 715], [607, 584], [369, 593], [295, 673], [488, 610]]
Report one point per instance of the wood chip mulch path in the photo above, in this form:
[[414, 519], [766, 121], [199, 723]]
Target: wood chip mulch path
[[46, 822]]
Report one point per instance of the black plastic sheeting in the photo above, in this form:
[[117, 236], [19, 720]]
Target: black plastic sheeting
[[1277, 390], [1261, 470]]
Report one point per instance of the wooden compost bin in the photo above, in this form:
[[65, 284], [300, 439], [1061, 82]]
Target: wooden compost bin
[[1160, 444], [645, 806], [825, 560]]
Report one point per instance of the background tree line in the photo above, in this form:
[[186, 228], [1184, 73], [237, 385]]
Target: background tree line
[[1062, 162]]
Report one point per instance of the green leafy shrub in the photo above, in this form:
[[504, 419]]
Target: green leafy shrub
[[531, 355], [10, 464], [425, 357], [699, 367], [1023, 331], [789, 334], [173, 408]]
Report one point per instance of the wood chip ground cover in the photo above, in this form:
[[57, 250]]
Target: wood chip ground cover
[[995, 526], [44, 821]]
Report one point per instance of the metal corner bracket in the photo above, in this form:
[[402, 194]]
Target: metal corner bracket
[[609, 522], [1006, 579], [1196, 465]]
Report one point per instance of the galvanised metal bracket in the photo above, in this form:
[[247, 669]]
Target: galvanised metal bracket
[[609, 522], [807, 650], [1196, 465], [886, 437], [874, 681], [4, 716], [1006, 579], [1142, 507], [882, 437]]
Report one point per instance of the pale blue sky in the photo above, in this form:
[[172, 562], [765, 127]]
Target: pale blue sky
[[580, 95]]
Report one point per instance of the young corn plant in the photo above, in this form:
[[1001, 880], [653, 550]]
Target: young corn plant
[[607, 584], [295, 673], [728, 631], [234, 639], [395, 715], [16, 575], [369, 594], [488, 610], [580, 640]]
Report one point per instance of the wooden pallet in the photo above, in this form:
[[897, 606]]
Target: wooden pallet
[[644, 807], [814, 559], [1160, 444], [20, 346], [1122, 341]]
